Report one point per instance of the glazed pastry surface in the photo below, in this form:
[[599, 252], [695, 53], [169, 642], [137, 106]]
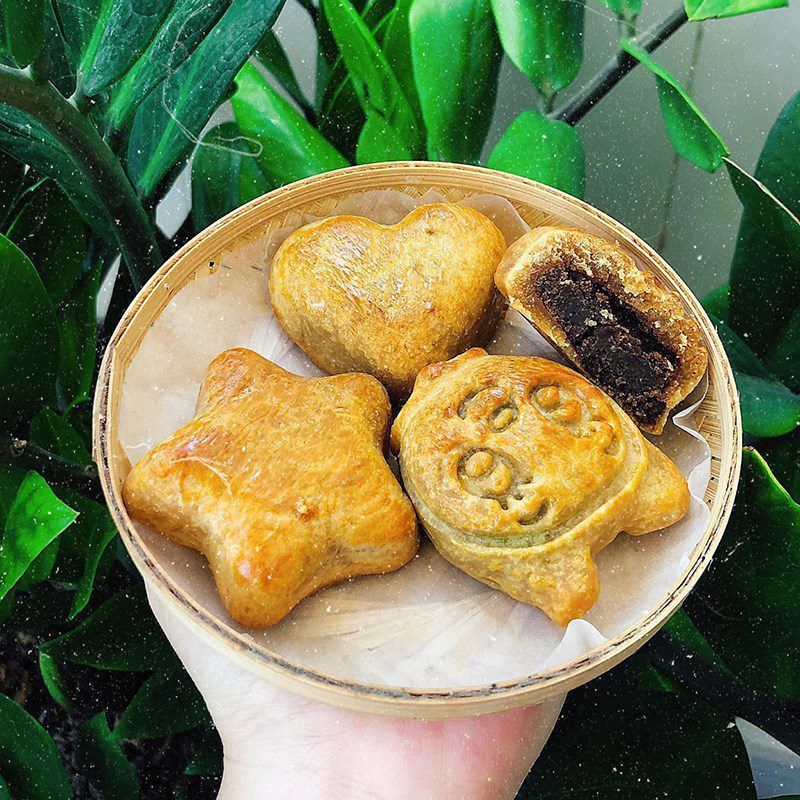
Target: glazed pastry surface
[[281, 482], [521, 470], [615, 322], [388, 300]]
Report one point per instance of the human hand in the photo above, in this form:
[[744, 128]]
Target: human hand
[[278, 744]]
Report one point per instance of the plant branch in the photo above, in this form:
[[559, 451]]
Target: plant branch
[[25, 455], [585, 99], [101, 168]]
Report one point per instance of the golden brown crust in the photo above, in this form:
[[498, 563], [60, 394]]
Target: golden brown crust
[[387, 300], [547, 248], [520, 470], [281, 482]]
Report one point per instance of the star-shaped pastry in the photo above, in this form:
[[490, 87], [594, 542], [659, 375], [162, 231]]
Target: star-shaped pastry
[[281, 482]]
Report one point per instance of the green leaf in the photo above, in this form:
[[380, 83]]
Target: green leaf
[[49, 230], [92, 533], [716, 302], [77, 327], [624, 9], [783, 457], [225, 174], [170, 119], [52, 432], [376, 86], [180, 34], [166, 703], [29, 760], [121, 634], [456, 56], [53, 680], [381, 142], [5, 793], [11, 172], [710, 9], [40, 568], [764, 306], [101, 760], [543, 39], [746, 603], [544, 150], [207, 758], [271, 54], [289, 148], [768, 407], [28, 336], [35, 519], [689, 131], [24, 20], [396, 46], [627, 743], [681, 628], [122, 32]]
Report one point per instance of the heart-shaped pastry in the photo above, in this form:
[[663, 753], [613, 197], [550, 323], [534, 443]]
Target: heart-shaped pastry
[[388, 300]]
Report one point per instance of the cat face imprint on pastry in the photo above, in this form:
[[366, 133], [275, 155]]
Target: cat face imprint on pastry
[[489, 473]]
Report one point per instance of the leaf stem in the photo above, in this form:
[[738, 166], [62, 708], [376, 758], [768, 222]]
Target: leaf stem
[[26, 455], [101, 168], [585, 99]]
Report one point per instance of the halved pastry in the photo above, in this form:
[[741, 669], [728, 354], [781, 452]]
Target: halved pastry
[[281, 482], [615, 322], [357, 296], [521, 470]]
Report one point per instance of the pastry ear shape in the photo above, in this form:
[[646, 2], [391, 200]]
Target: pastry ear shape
[[281, 482], [520, 470]]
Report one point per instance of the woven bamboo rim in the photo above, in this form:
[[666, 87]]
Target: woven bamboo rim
[[718, 420]]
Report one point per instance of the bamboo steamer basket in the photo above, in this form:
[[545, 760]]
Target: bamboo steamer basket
[[717, 418]]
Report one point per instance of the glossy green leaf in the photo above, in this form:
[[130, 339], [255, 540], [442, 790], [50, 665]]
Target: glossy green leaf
[[716, 302], [40, 568], [681, 628], [689, 131], [52, 432], [94, 531], [376, 86], [121, 34], [49, 230], [11, 172], [396, 46], [35, 519], [764, 305], [380, 142], [166, 703], [289, 148], [30, 143], [29, 761], [746, 603], [77, 327], [169, 119], [709, 9], [783, 457], [24, 22], [768, 407], [617, 740], [456, 56], [225, 174], [271, 54], [544, 150], [54, 680], [624, 9], [543, 39], [28, 336], [101, 760], [121, 634], [5, 792], [179, 35]]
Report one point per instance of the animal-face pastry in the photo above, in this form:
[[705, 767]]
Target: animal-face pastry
[[617, 323], [388, 300], [281, 482], [521, 470]]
